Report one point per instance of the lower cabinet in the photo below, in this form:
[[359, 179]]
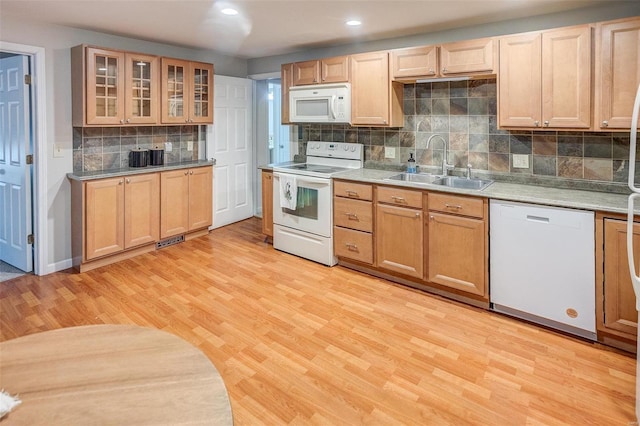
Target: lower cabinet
[[353, 221], [267, 203], [616, 314], [185, 201]]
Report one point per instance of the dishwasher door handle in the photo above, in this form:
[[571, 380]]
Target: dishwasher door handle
[[539, 219]]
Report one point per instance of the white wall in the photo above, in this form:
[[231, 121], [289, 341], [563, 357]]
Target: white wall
[[57, 41], [611, 10]]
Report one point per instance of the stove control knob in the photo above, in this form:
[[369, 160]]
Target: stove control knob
[[353, 148], [346, 147], [317, 146]]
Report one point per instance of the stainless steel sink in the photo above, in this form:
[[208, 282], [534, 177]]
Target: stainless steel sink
[[463, 183], [415, 177]]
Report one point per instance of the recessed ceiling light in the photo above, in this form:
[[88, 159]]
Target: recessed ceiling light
[[229, 11], [354, 23]]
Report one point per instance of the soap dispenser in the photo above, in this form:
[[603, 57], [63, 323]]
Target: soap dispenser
[[411, 164]]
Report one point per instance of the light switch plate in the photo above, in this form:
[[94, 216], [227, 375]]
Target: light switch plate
[[57, 151], [168, 147], [389, 152], [520, 161]]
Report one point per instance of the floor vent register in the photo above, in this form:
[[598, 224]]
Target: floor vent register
[[169, 241]]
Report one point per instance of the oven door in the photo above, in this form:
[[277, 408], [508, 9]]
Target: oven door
[[313, 211]]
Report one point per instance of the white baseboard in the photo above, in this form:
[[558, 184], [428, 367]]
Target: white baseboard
[[58, 266]]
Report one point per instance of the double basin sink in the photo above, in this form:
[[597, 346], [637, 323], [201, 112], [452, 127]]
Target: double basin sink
[[448, 181]]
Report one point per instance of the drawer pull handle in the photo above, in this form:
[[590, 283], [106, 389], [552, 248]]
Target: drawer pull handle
[[351, 193], [453, 206], [351, 246], [352, 216], [397, 199]]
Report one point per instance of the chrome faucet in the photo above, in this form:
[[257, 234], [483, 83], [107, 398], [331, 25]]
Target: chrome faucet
[[445, 148]]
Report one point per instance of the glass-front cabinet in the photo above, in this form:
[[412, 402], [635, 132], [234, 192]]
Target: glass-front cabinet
[[121, 88], [187, 92]]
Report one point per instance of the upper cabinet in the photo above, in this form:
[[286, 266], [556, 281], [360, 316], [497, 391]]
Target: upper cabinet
[[470, 57], [617, 72], [545, 79], [375, 100], [286, 80], [117, 88], [187, 92], [328, 70], [111, 87]]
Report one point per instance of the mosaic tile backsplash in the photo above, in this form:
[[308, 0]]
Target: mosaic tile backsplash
[[107, 148], [464, 114]]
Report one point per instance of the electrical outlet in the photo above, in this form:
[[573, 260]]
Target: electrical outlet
[[189, 145], [520, 161], [168, 147], [57, 151], [389, 152]]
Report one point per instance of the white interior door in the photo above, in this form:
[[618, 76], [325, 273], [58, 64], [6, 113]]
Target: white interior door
[[15, 178], [230, 144]]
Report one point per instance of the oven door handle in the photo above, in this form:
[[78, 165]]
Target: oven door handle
[[301, 179]]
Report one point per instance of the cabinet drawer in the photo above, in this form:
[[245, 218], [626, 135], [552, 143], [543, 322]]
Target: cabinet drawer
[[358, 191], [353, 214], [400, 197], [455, 204], [352, 244]]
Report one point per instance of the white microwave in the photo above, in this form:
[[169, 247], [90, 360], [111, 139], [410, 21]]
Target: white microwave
[[320, 103]]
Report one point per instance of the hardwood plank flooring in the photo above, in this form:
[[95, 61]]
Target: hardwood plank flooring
[[300, 343]]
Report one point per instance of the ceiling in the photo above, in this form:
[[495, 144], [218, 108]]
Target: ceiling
[[272, 27]]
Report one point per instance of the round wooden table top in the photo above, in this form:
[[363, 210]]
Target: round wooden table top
[[111, 374]]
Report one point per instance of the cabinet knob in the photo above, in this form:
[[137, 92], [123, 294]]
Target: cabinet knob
[[120, 182], [417, 214], [186, 120], [431, 71], [444, 70], [121, 121], [191, 172], [128, 120], [431, 218], [536, 123], [546, 123], [186, 173], [128, 180], [605, 123]]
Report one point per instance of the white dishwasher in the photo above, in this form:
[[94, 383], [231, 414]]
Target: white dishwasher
[[542, 265]]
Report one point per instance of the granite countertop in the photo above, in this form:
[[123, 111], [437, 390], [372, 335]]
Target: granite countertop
[[558, 197], [127, 171]]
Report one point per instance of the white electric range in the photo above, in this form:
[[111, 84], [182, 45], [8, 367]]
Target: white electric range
[[303, 199]]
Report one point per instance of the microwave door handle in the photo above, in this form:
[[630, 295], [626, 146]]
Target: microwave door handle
[[333, 107]]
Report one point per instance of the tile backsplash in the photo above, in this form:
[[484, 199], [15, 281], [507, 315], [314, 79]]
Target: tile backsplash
[[464, 114], [107, 148]]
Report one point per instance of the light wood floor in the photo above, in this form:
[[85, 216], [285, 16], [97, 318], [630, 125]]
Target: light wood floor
[[300, 343]]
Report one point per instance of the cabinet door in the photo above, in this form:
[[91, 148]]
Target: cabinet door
[[468, 57], [414, 62], [286, 81], [105, 87], [142, 94], [520, 82], [619, 299], [200, 197], [400, 240], [200, 93], [617, 72], [175, 91], [566, 78], [104, 222], [334, 70], [307, 72], [267, 203], [142, 209], [174, 203], [375, 101], [457, 256]]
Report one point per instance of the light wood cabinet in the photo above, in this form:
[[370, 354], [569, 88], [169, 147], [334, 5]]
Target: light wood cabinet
[[187, 92], [185, 200], [267, 203], [111, 87], [121, 213], [327, 70], [353, 221], [468, 57], [545, 79], [414, 62], [617, 72], [399, 231], [616, 314], [375, 100], [286, 81]]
